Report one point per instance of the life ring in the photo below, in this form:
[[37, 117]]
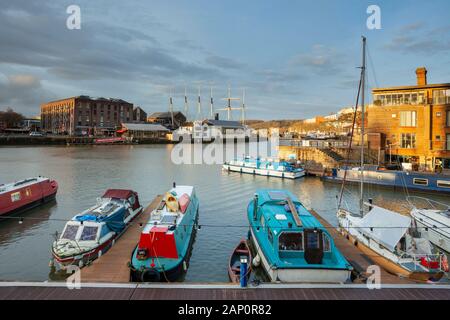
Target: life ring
[[150, 275]]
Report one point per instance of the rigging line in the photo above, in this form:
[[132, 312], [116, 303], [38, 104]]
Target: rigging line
[[372, 67], [350, 142]]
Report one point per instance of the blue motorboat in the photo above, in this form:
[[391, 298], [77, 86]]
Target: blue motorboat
[[290, 243], [164, 248], [414, 180]]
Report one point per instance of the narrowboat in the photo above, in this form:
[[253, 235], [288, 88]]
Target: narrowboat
[[433, 221], [234, 265], [94, 231], [413, 180], [290, 243], [165, 244], [26, 194], [270, 168]]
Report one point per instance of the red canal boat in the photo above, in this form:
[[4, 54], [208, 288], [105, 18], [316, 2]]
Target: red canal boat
[[26, 194]]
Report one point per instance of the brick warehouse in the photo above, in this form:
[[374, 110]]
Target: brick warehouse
[[85, 115], [413, 123]]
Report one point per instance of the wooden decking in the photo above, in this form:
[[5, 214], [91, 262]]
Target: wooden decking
[[357, 258], [112, 267], [130, 291]]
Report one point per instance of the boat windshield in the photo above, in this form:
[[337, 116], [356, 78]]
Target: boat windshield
[[70, 233], [291, 241], [89, 233]]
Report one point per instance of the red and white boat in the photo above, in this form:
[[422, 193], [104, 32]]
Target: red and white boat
[[26, 194]]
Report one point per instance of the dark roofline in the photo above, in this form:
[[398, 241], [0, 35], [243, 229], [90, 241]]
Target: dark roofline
[[85, 97], [413, 87]]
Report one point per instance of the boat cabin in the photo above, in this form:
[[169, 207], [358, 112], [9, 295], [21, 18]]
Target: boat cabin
[[158, 238], [289, 231]]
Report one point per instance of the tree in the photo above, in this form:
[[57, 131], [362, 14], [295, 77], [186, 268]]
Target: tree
[[10, 118]]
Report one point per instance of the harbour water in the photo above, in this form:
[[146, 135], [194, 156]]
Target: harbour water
[[84, 173]]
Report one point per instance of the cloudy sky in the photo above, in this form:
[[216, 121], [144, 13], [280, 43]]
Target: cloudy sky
[[296, 59]]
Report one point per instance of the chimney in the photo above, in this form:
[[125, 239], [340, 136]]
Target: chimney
[[421, 76], [216, 116]]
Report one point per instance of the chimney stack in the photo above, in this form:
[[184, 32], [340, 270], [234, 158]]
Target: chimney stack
[[421, 76]]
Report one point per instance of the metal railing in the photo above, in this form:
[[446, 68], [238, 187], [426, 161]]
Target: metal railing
[[429, 204]]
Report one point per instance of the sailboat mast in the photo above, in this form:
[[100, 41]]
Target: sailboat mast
[[363, 78]]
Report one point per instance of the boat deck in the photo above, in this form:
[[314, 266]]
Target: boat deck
[[357, 258], [112, 267]]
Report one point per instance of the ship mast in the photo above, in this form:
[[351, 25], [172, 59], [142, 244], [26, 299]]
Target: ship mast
[[228, 108], [363, 76], [199, 105], [211, 104], [171, 107], [243, 106], [186, 106]]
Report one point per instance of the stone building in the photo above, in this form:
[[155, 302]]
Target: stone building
[[84, 115]]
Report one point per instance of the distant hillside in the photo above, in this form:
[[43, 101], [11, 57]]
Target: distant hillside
[[282, 124]]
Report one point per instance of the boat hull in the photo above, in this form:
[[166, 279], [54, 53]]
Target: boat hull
[[264, 172], [435, 237], [301, 275], [391, 266], [31, 196], [395, 179], [87, 257]]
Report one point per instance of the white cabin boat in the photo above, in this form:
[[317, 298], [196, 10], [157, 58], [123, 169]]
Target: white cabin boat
[[433, 221]]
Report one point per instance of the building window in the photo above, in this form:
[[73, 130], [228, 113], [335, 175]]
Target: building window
[[408, 118], [448, 141], [408, 141], [441, 96], [448, 118]]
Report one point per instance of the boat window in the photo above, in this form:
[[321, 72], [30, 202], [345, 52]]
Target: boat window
[[262, 222], [443, 184], [313, 240], [15, 196], [291, 241], [270, 235], [132, 199], [89, 233], [420, 181], [168, 219], [326, 243], [70, 233]]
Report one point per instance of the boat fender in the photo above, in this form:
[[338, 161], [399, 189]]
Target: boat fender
[[99, 253], [150, 275], [184, 266], [256, 261], [113, 242], [80, 264]]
